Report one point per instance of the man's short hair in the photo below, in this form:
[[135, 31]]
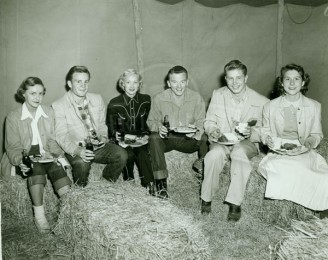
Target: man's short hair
[[177, 70], [78, 69], [235, 64]]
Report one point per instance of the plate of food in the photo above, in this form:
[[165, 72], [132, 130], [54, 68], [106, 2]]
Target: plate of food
[[228, 139], [291, 149], [42, 160], [134, 141], [184, 129]]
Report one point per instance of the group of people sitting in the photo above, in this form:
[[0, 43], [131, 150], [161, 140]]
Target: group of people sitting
[[133, 131]]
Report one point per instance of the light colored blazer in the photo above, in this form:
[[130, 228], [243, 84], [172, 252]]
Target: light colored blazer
[[69, 127], [18, 136], [219, 114], [308, 118]]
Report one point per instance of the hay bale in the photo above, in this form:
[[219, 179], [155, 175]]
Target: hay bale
[[270, 211], [182, 180], [278, 212], [179, 161], [16, 200], [120, 220], [306, 240]]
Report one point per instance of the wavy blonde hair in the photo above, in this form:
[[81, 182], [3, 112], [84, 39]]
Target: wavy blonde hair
[[127, 73]]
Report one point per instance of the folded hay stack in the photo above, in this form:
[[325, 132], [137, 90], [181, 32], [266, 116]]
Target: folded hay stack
[[121, 221], [15, 198], [307, 240], [278, 212]]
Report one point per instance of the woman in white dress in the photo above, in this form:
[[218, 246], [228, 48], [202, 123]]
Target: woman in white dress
[[293, 120]]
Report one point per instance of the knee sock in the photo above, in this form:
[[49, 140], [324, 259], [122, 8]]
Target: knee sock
[[39, 212]]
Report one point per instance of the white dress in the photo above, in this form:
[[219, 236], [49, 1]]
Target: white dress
[[302, 179]]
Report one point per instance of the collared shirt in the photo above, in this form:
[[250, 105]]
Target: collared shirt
[[36, 139], [237, 108], [133, 111], [191, 111], [290, 114]]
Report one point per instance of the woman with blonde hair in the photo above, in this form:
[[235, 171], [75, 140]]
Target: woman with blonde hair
[[128, 112]]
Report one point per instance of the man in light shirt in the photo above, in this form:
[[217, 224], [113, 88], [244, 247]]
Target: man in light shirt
[[184, 107], [231, 105], [80, 115]]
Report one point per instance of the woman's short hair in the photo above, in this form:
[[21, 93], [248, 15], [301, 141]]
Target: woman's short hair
[[28, 82], [300, 70], [127, 73], [234, 65]]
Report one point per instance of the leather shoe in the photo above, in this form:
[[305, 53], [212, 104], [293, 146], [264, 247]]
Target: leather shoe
[[161, 187], [162, 194], [198, 165], [42, 225], [206, 207], [234, 212], [151, 188]]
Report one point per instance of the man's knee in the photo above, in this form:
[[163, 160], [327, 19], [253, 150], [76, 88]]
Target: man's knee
[[80, 168], [216, 152], [122, 155], [243, 152], [154, 138]]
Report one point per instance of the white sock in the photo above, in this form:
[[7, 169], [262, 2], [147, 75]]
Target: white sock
[[39, 212]]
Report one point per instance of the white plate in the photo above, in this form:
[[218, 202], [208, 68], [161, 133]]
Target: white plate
[[297, 151], [41, 160], [228, 142], [184, 129], [139, 142]]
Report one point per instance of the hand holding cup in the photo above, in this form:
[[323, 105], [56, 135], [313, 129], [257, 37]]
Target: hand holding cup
[[244, 129]]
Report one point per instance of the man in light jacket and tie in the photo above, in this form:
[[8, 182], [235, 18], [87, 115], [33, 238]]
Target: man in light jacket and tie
[[231, 105]]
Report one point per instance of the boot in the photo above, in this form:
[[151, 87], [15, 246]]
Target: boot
[[151, 188], [40, 219], [161, 187], [234, 213], [128, 174], [206, 207]]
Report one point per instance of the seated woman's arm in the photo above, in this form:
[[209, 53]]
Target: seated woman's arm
[[13, 143], [316, 135]]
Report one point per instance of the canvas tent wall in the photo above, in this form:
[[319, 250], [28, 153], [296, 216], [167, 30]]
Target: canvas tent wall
[[45, 38]]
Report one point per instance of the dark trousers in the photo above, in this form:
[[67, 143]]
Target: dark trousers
[[159, 146], [140, 156], [112, 155]]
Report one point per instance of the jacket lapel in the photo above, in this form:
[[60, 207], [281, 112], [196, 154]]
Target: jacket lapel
[[227, 107]]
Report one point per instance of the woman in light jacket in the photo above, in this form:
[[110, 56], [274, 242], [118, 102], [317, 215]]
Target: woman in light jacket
[[31, 128], [292, 129]]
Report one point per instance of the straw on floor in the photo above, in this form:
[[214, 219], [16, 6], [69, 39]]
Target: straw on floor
[[306, 240]]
